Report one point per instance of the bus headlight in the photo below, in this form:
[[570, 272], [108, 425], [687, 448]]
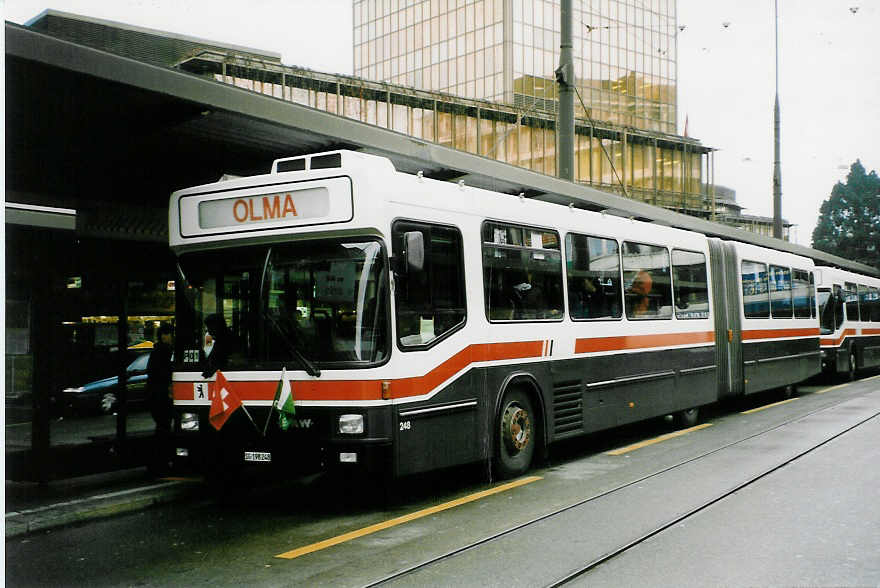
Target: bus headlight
[[189, 421], [351, 424]]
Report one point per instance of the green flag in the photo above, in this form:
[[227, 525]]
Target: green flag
[[284, 402]]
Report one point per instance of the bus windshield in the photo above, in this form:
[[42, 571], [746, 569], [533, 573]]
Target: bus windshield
[[296, 305], [826, 312]]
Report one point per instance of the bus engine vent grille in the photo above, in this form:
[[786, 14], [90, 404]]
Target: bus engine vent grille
[[567, 407]]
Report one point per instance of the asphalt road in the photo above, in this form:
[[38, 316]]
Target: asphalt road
[[791, 493]]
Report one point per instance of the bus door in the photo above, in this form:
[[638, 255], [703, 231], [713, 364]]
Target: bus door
[[728, 327], [430, 311]]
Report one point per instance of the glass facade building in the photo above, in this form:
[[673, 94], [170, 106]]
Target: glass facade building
[[477, 76], [507, 50], [664, 170], [448, 46]]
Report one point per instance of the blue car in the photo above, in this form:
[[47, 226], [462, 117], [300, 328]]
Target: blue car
[[100, 395]]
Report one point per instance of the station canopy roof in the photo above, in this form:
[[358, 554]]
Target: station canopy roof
[[112, 137]]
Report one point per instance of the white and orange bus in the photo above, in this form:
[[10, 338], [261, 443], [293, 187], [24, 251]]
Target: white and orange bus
[[424, 324], [849, 306]]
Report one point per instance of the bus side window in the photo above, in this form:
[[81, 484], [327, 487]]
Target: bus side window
[[646, 276], [802, 294], [852, 302], [875, 304], [429, 302], [780, 292], [691, 284], [522, 273], [755, 290], [593, 268], [865, 302]]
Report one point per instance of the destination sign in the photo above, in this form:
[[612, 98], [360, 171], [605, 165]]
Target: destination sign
[[277, 207], [234, 208]]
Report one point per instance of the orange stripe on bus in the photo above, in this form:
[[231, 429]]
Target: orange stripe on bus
[[406, 387], [778, 333], [372, 389], [846, 333], [596, 344]]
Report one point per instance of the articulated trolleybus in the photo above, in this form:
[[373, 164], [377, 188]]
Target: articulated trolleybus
[[417, 324]]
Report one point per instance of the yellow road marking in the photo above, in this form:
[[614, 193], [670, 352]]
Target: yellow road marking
[[830, 389], [760, 408], [846, 384], [405, 518], [659, 439]]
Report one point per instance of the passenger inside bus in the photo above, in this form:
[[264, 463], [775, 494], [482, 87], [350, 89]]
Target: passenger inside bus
[[638, 302], [288, 327], [587, 300], [529, 301]]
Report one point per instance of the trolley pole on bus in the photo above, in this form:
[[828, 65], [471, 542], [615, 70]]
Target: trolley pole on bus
[[565, 80]]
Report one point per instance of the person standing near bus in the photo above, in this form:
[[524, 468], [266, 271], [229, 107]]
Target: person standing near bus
[[215, 325], [159, 393]]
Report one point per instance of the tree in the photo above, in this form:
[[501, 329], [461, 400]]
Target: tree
[[849, 221]]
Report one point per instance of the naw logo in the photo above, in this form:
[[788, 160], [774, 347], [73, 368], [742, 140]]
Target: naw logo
[[294, 423]]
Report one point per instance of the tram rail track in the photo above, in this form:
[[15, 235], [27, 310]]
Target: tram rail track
[[578, 571], [574, 574]]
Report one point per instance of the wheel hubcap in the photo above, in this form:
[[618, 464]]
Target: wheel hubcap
[[517, 428], [107, 402]]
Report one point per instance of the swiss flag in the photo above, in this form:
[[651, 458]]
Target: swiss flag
[[223, 402]]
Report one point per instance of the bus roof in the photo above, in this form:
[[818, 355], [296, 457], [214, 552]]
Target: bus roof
[[436, 162]]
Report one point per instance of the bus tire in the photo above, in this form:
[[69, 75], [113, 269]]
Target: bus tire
[[688, 417], [516, 432], [107, 403], [851, 366]]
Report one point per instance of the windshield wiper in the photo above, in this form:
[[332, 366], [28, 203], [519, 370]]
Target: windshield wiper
[[184, 287], [311, 368]]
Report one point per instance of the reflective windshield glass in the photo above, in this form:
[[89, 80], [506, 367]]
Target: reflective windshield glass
[[826, 311], [327, 301], [291, 305]]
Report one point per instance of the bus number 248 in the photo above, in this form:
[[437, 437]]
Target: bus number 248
[[405, 425]]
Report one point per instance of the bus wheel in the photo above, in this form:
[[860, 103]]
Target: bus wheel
[[851, 371], [108, 403], [516, 434], [688, 417]]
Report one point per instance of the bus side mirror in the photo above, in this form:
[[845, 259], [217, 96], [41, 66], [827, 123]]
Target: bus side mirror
[[414, 252]]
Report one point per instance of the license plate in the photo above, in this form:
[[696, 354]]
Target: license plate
[[257, 456]]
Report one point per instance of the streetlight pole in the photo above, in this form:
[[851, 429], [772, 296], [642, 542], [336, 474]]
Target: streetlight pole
[[777, 172]]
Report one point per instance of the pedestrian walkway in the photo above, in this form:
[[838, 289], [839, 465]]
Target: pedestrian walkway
[[32, 507]]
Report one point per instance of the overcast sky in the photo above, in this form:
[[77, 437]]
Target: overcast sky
[[829, 79]]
